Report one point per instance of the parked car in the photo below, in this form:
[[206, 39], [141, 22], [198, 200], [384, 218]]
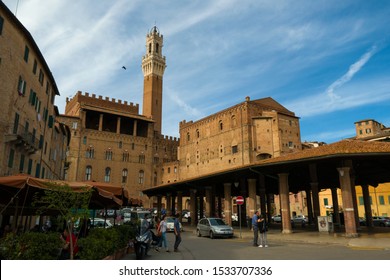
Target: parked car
[[98, 222], [170, 222], [277, 218], [299, 220], [213, 227], [381, 221]]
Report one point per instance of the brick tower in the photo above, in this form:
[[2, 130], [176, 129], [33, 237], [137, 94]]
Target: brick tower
[[153, 66]]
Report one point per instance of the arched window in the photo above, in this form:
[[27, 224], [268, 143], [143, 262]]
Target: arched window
[[234, 121], [157, 46], [150, 47], [124, 176], [107, 174], [141, 175], [197, 133], [220, 125], [155, 179], [109, 154], [85, 140], [88, 173], [188, 136], [90, 153]]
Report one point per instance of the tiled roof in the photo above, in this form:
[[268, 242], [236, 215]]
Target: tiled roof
[[338, 148]]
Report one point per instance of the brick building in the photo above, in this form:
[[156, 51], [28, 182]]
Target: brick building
[[112, 142], [31, 141]]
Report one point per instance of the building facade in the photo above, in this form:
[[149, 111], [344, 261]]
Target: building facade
[[30, 139], [112, 142]]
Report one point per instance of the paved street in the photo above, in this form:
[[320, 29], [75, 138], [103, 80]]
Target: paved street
[[204, 248]]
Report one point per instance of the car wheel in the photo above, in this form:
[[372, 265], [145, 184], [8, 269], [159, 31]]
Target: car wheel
[[198, 233], [212, 235]]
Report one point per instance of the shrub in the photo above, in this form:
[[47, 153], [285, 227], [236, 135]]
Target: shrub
[[32, 246]]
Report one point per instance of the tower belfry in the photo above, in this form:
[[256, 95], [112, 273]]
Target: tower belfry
[[153, 66]]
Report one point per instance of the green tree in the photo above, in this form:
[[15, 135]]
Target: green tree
[[71, 204]]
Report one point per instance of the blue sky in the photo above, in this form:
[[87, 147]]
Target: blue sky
[[327, 61]]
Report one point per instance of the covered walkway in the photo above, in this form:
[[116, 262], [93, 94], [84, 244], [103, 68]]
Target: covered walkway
[[342, 165]]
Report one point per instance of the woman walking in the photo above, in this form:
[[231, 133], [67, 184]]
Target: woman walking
[[163, 239]]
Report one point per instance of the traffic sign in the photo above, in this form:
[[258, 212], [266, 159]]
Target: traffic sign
[[239, 200]]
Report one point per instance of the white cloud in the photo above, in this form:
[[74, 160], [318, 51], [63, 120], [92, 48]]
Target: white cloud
[[353, 69]]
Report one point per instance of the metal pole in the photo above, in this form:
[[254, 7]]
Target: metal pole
[[239, 216]]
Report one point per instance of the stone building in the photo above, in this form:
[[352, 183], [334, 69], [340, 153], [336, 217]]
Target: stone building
[[242, 134], [112, 142], [31, 141]]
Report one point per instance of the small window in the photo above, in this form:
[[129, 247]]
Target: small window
[[141, 177], [85, 140], [326, 202], [125, 156], [26, 52], [220, 125], [11, 158], [21, 86], [88, 173], [90, 153], [107, 174], [157, 47], [124, 176], [41, 77], [141, 159], [35, 65], [188, 136], [74, 125], [109, 154], [381, 200], [234, 149]]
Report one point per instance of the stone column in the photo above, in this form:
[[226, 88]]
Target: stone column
[[219, 201], [173, 205], [168, 207], [314, 192], [208, 201], [335, 202], [118, 125], [285, 203], [228, 203], [201, 207], [252, 197], [263, 207], [180, 203], [354, 200], [346, 194], [193, 202], [270, 199], [310, 214], [367, 206], [159, 198], [316, 202], [100, 122], [135, 128]]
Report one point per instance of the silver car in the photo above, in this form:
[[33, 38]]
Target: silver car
[[214, 227]]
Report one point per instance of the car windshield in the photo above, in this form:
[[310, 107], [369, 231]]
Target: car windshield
[[170, 220], [217, 222]]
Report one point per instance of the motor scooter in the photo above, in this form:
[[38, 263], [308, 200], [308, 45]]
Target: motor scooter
[[142, 243]]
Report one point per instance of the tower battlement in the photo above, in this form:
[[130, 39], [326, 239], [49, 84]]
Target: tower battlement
[[92, 99]]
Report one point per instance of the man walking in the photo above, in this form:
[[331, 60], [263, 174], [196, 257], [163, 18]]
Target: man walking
[[176, 227], [255, 228]]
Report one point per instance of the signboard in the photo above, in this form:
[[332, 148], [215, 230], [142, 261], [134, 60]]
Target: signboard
[[239, 200]]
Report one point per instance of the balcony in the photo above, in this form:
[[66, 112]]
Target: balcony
[[24, 139]]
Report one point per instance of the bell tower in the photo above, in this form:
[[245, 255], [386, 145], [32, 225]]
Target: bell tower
[[153, 66]]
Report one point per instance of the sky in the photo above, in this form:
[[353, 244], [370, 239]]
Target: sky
[[327, 61]]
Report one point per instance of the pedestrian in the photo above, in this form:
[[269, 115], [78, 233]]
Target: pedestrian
[[176, 227], [262, 226], [255, 228], [163, 229]]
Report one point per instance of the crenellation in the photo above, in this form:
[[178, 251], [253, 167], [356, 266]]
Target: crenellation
[[93, 95], [100, 97]]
